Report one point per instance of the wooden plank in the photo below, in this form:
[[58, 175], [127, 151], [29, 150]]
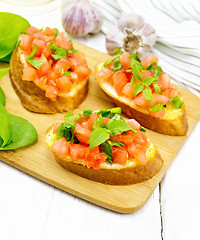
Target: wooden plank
[[38, 161]]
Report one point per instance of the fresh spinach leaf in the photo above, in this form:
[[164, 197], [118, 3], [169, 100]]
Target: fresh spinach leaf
[[5, 130], [11, 25], [2, 97]]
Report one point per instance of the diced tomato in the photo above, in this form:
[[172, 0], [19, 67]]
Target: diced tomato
[[104, 74], [164, 81], [92, 119], [125, 60], [131, 150], [128, 90], [140, 156], [150, 59], [61, 147], [73, 77], [49, 31], [51, 75], [31, 30], [158, 114], [51, 93], [133, 124], [62, 63], [141, 138], [80, 56], [41, 36], [83, 72], [62, 42], [85, 125], [45, 67], [75, 62], [120, 155], [170, 93], [77, 151], [83, 134], [64, 84], [146, 74], [56, 125], [119, 80], [94, 158], [26, 42], [41, 82], [141, 101], [46, 51], [158, 98], [126, 139], [40, 45], [29, 74], [106, 120]]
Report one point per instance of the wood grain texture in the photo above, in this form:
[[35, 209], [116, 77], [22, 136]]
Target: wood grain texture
[[38, 161]]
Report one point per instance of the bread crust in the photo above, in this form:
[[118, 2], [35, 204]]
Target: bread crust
[[109, 175], [175, 127], [33, 98]]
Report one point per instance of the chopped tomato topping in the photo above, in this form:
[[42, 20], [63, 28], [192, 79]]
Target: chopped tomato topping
[[133, 124], [56, 125], [31, 30], [131, 150], [125, 60], [61, 147], [29, 74], [128, 90], [51, 93], [83, 134], [77, 151], [141, 101], [82, 71], [164, 81], [150, 59], [123, 138], [26, 42], [105, 73], [140, 156], [92, 119], [120, 155], [94, 158], [119, 81], [64, 84], [62, 42], [45, 67], [49, 31], [62, 64]]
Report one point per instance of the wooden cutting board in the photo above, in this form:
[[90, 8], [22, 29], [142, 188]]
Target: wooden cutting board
[[38, 161]]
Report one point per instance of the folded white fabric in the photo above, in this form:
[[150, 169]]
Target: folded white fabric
[[177, 24]]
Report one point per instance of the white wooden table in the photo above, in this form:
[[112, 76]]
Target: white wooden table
[[31, 209]]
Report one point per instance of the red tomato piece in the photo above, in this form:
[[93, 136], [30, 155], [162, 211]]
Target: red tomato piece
[[140, 138], [150, 59], [47, 52], [45, 67], [140, 156], [80, 56], [62, 42], [126, 139], [75, 62], [128, 90], [40, 46], [141, 101], [64, 84], [120, 155], [158, 114], [119, 81], [83, 72], [41, 36], [94, 158], [56, 125], [146, 74], [73, 77], [104, 74], [164, 81], [83, 134], [41, 82], [61, 147], [31, 30], [26, 42], [29, 74], [133, 124], [92, 119], [131, 150], [77, 151], [62, 63], [125, 60], [158, 98], [49, 31], [51, 75], [51, 93], [106, 120]]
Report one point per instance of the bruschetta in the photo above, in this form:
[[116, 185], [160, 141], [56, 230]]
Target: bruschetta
[[144, 92], [104, 147], [47, 73]]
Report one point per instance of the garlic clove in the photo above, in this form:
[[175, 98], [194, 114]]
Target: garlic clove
[[80, 18], [132, 34]]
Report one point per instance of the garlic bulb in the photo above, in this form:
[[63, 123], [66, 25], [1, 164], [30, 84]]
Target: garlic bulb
[[80, 18], [132, 34]]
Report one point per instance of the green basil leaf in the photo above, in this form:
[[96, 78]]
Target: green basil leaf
[[77, 117], [11, 25], [176, 101], [138, 88], [118, 51], [117, 126], [148, 94], [66, 73], [69, 119], [117, 64], [113, 143], [87, 112], [157, 69], [137, 72], [156, 108], [33, 52], [98, 123], [72, 51], [4, 71], [133, 81], [156, 88], [5, 129], [56, 33], [135, 57], [66, 131], [106, 148], [2, 97], [143, 130], [138, 64], [98, 136], [148, 81], [58, 52], [35, 63], [23, 132], [116, 110]]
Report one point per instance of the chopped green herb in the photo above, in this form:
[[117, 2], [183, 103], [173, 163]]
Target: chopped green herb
[[87, 112], [66, 73], [56, 33], [138, 88], [143, 130], [136, 72], [117, 64], [156, 88], [148, 81], [156, 108], [106, 148], [117, 56], [176, 101], [40, 30], [148, 94], [135, 57], [98, 136], [33, 61], [98, 123]]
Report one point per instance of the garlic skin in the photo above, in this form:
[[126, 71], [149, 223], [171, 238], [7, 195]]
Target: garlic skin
[[80, 18], [132, 34]]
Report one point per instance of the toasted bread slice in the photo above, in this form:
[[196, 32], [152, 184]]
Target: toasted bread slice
[[173, 123], [33, 97], [113, 174]]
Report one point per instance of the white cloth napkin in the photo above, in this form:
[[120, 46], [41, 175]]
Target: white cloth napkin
[[177, 24]]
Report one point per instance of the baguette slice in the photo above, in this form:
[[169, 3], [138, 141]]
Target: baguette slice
[[173, 123], [113, 174], [31, 94]]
